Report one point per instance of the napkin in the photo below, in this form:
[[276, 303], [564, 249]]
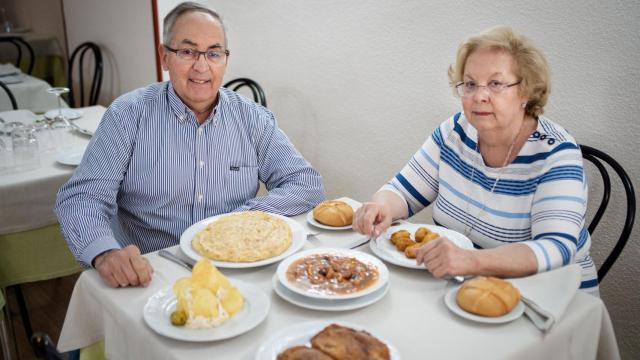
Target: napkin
[[552, 290], [23, 116], [8, 70]]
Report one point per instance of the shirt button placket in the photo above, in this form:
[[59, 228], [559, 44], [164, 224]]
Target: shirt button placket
[[200, 148]]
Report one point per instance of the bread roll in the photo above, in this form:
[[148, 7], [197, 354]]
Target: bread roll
[[487, 296], [333, 213]]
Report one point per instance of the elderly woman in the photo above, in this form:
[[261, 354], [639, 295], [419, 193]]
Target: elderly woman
[[499, 172]]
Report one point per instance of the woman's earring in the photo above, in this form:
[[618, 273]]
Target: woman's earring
[[524, 105]]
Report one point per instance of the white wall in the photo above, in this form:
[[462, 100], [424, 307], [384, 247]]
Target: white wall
[[359, 85], [124, 31]]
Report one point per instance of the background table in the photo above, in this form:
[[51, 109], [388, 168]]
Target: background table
[[30, 94], [32, 247], [50, 59], [412, 316]]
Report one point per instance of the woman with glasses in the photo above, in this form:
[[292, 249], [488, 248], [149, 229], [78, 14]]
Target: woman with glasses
[[499, 172]]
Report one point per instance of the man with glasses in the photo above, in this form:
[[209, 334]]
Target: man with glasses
[[174, 153]]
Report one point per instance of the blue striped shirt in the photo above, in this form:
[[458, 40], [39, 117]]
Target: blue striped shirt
[[152, 170], [540, 198]]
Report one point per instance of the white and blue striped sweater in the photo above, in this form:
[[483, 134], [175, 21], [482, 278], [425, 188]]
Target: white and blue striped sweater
[[540, 198]]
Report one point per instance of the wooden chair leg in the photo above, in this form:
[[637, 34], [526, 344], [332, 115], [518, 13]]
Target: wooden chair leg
[[5, 338]]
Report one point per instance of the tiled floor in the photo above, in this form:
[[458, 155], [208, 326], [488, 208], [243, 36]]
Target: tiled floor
[[47, 303]]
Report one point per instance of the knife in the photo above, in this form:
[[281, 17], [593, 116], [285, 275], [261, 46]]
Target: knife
[[169, 256]]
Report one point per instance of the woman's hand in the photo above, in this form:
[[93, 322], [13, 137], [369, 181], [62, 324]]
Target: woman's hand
[[444, 258], [372, 218]]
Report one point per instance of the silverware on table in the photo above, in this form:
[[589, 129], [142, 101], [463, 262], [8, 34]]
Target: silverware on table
[[169, 256], [77, 128]]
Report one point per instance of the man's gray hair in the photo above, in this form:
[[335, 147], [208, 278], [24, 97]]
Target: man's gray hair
[[187, 7]]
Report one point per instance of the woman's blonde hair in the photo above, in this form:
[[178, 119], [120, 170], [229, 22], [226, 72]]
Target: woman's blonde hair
[[531, 66]]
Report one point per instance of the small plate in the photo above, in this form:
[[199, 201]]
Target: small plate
[[450, 301], [69, 114], [384, 249], [157, 313], [313, 222], [70, 158], [298, 241], [301, 334], [383, 272], [327, 304]]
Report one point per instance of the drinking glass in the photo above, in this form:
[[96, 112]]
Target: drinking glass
[[58, 91], [24, 144]]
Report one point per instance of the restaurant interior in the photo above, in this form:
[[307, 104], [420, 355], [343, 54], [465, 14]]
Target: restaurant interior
[[357, 87]]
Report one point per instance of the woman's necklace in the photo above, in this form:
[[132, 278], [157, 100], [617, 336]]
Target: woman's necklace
[[495, 183]]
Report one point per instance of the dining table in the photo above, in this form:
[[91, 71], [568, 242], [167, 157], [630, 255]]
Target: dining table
[[412, 316], [30, 93], [31, 245]]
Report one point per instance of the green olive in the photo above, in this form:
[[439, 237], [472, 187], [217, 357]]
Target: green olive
[[178, 318]]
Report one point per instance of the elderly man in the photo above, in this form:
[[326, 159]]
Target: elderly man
[[174, 153]]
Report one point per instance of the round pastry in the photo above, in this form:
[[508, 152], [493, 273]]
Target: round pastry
[[487, 296], [333, 213]]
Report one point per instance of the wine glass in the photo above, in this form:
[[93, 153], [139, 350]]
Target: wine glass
[[58, 91]]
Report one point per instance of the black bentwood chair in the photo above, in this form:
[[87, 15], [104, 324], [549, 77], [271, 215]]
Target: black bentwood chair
[[12, 98], [256, 89], [598, 157], [94, 91], [19, 43], [44, 347]]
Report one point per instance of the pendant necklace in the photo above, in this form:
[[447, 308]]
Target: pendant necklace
[[495, 182]]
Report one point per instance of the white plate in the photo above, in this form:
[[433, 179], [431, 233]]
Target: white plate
[[327, 304], [298, 234], [69, 114], [384, 249], [383, 272], [301, 334], [450, 301], [70, 158], [313, 222], [157, 314]]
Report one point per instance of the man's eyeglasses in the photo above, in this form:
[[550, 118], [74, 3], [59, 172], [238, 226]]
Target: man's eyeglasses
[[469, 88], [215, 57]]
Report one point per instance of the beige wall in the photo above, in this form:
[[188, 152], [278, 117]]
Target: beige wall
[[47, 20], [124, 31], [359, 85]]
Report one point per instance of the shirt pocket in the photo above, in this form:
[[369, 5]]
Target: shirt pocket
[[241, 182]]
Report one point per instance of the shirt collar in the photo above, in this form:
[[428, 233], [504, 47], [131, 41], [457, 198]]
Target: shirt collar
[[182, 111]]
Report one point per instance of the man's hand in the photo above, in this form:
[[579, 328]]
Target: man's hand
[[124, 267]]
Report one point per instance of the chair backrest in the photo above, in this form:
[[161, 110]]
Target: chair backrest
[[256, 89], [598, 157], [18, 43], [12, 98], [96, 83]]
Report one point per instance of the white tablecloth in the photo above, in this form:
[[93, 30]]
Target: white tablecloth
[[30, 94], [412, 316], [27, 198]]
